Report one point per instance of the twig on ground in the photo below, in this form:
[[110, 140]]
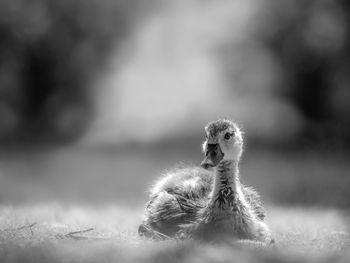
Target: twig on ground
[[156, 233], [22, 227], [72, 234]]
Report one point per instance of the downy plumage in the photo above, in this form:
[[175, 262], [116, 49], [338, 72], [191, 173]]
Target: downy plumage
[[208, 202]]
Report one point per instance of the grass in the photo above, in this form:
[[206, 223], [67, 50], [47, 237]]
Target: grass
[[41, 233], [100, 194]]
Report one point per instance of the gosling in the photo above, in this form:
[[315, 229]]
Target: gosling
[[207, 203]]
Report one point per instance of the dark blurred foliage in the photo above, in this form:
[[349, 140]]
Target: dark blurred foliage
[[309, 45], [311, 40], [49, 53]]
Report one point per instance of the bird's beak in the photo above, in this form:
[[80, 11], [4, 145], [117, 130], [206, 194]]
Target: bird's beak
[[207, 163], [213, 156]]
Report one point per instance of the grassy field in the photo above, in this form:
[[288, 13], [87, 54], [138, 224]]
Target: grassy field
[[85, 205], [55, 233]]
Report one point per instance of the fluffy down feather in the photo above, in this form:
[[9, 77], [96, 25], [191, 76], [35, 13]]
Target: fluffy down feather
[[179, 196]]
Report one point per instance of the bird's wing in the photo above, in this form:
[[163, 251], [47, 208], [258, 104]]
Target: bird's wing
[[165, 212]]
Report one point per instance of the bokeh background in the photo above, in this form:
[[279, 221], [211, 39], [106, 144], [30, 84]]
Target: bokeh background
[[98, 98]]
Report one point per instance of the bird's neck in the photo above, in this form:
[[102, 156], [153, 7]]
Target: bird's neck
[[227, 174], [226, 186]]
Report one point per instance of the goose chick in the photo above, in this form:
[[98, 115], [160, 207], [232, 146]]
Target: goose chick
[[231, 212], [182, 197]]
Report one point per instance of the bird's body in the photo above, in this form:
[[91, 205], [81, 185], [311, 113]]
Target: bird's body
[[233, 210], [205, 204], [179, 199], [175, 200]]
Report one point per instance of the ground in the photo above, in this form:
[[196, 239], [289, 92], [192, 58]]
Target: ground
[[83, 205], [54, 233]]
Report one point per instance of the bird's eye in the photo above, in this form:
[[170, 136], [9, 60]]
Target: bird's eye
[[228, 135]]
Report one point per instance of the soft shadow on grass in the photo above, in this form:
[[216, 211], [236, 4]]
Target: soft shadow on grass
[[54, 233]]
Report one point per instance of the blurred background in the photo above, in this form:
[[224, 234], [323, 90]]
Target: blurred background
[[98, 98]]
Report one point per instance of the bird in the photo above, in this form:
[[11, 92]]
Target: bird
[[209, 202]]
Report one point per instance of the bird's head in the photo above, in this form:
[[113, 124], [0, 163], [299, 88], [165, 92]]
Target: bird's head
[[223, 142]]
